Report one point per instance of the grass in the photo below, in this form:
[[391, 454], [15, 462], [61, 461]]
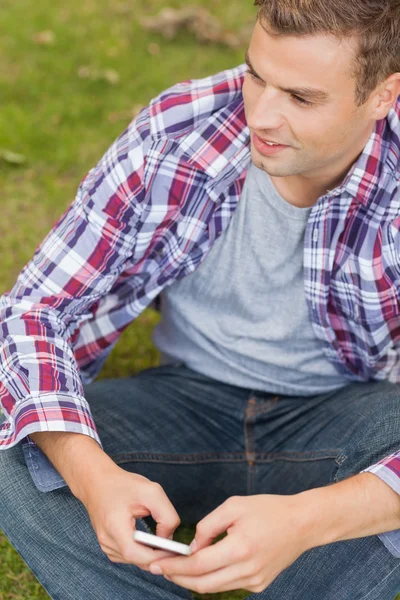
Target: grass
[[62, 122]]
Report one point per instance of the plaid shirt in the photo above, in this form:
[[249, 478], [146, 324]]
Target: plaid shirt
[[147, 215]]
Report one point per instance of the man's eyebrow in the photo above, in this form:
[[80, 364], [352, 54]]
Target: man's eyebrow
[[311, 93]]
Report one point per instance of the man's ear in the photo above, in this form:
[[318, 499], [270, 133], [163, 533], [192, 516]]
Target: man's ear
[[386, 96]]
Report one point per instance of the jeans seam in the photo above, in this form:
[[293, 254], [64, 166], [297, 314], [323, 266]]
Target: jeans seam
[[308, 456], [228, 457], [266, 406], [249, 441], [176, 459]]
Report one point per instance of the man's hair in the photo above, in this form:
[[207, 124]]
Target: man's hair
[[375, 23]]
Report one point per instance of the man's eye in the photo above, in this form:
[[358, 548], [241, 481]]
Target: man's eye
[[297, 99], [302, 101], [253, 75]]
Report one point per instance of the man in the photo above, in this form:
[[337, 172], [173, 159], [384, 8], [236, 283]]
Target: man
[[262, 208]]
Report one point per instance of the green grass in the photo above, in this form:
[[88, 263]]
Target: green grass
[[63, 123]]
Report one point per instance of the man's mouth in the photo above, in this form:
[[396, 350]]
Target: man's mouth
[[270, 142]]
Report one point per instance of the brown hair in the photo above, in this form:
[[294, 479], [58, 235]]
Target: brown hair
[[376, 24]]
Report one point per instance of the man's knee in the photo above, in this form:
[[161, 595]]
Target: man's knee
[[374, 435]]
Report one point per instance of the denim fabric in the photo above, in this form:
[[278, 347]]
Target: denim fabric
[[204, 441]]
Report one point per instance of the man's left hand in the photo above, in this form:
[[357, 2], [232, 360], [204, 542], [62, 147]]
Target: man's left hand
[[265, 535]]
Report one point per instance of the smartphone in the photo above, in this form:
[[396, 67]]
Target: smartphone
[[155, 541]]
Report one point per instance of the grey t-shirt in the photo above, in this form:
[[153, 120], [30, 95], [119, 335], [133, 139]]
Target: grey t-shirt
[[241, 317]]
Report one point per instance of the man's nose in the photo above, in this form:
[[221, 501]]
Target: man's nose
[[266, 112]]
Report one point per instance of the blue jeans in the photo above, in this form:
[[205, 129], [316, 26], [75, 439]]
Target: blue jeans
[[204, 441]]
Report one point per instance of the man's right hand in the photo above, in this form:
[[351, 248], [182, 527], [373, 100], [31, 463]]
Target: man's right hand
[[113, 504], [113, 497]]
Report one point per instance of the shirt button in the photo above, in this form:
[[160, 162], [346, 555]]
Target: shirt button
[[315, 235]]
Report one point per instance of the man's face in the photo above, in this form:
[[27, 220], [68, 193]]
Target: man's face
[[323, 137]]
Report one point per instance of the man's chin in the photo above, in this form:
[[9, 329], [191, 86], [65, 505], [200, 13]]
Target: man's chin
[[273, 171]]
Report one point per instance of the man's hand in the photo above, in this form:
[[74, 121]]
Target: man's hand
[[265, 536], [113, 497], [114, 501]]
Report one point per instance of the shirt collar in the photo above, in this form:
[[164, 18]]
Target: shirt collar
[[362, 179], [219, 141], [224, 139]]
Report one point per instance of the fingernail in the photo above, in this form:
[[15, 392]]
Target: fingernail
[[193, 545], [156, 570]]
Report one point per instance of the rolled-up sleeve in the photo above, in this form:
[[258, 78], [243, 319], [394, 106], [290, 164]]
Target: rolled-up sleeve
[[388, 469], [59, 290]]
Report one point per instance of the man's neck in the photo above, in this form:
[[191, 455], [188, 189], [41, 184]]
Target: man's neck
[[295, 192]]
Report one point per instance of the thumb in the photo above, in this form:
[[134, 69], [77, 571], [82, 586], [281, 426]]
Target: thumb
[[218, 521]]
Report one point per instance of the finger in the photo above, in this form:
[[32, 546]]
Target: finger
[[139, 560], [223, 580], [215, 523], [113, 552], [113, 557], [162, 511], [219, 555], [122, 544]]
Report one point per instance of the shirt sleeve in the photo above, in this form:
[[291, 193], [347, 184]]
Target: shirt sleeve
[[57, 292], [388, 469]]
